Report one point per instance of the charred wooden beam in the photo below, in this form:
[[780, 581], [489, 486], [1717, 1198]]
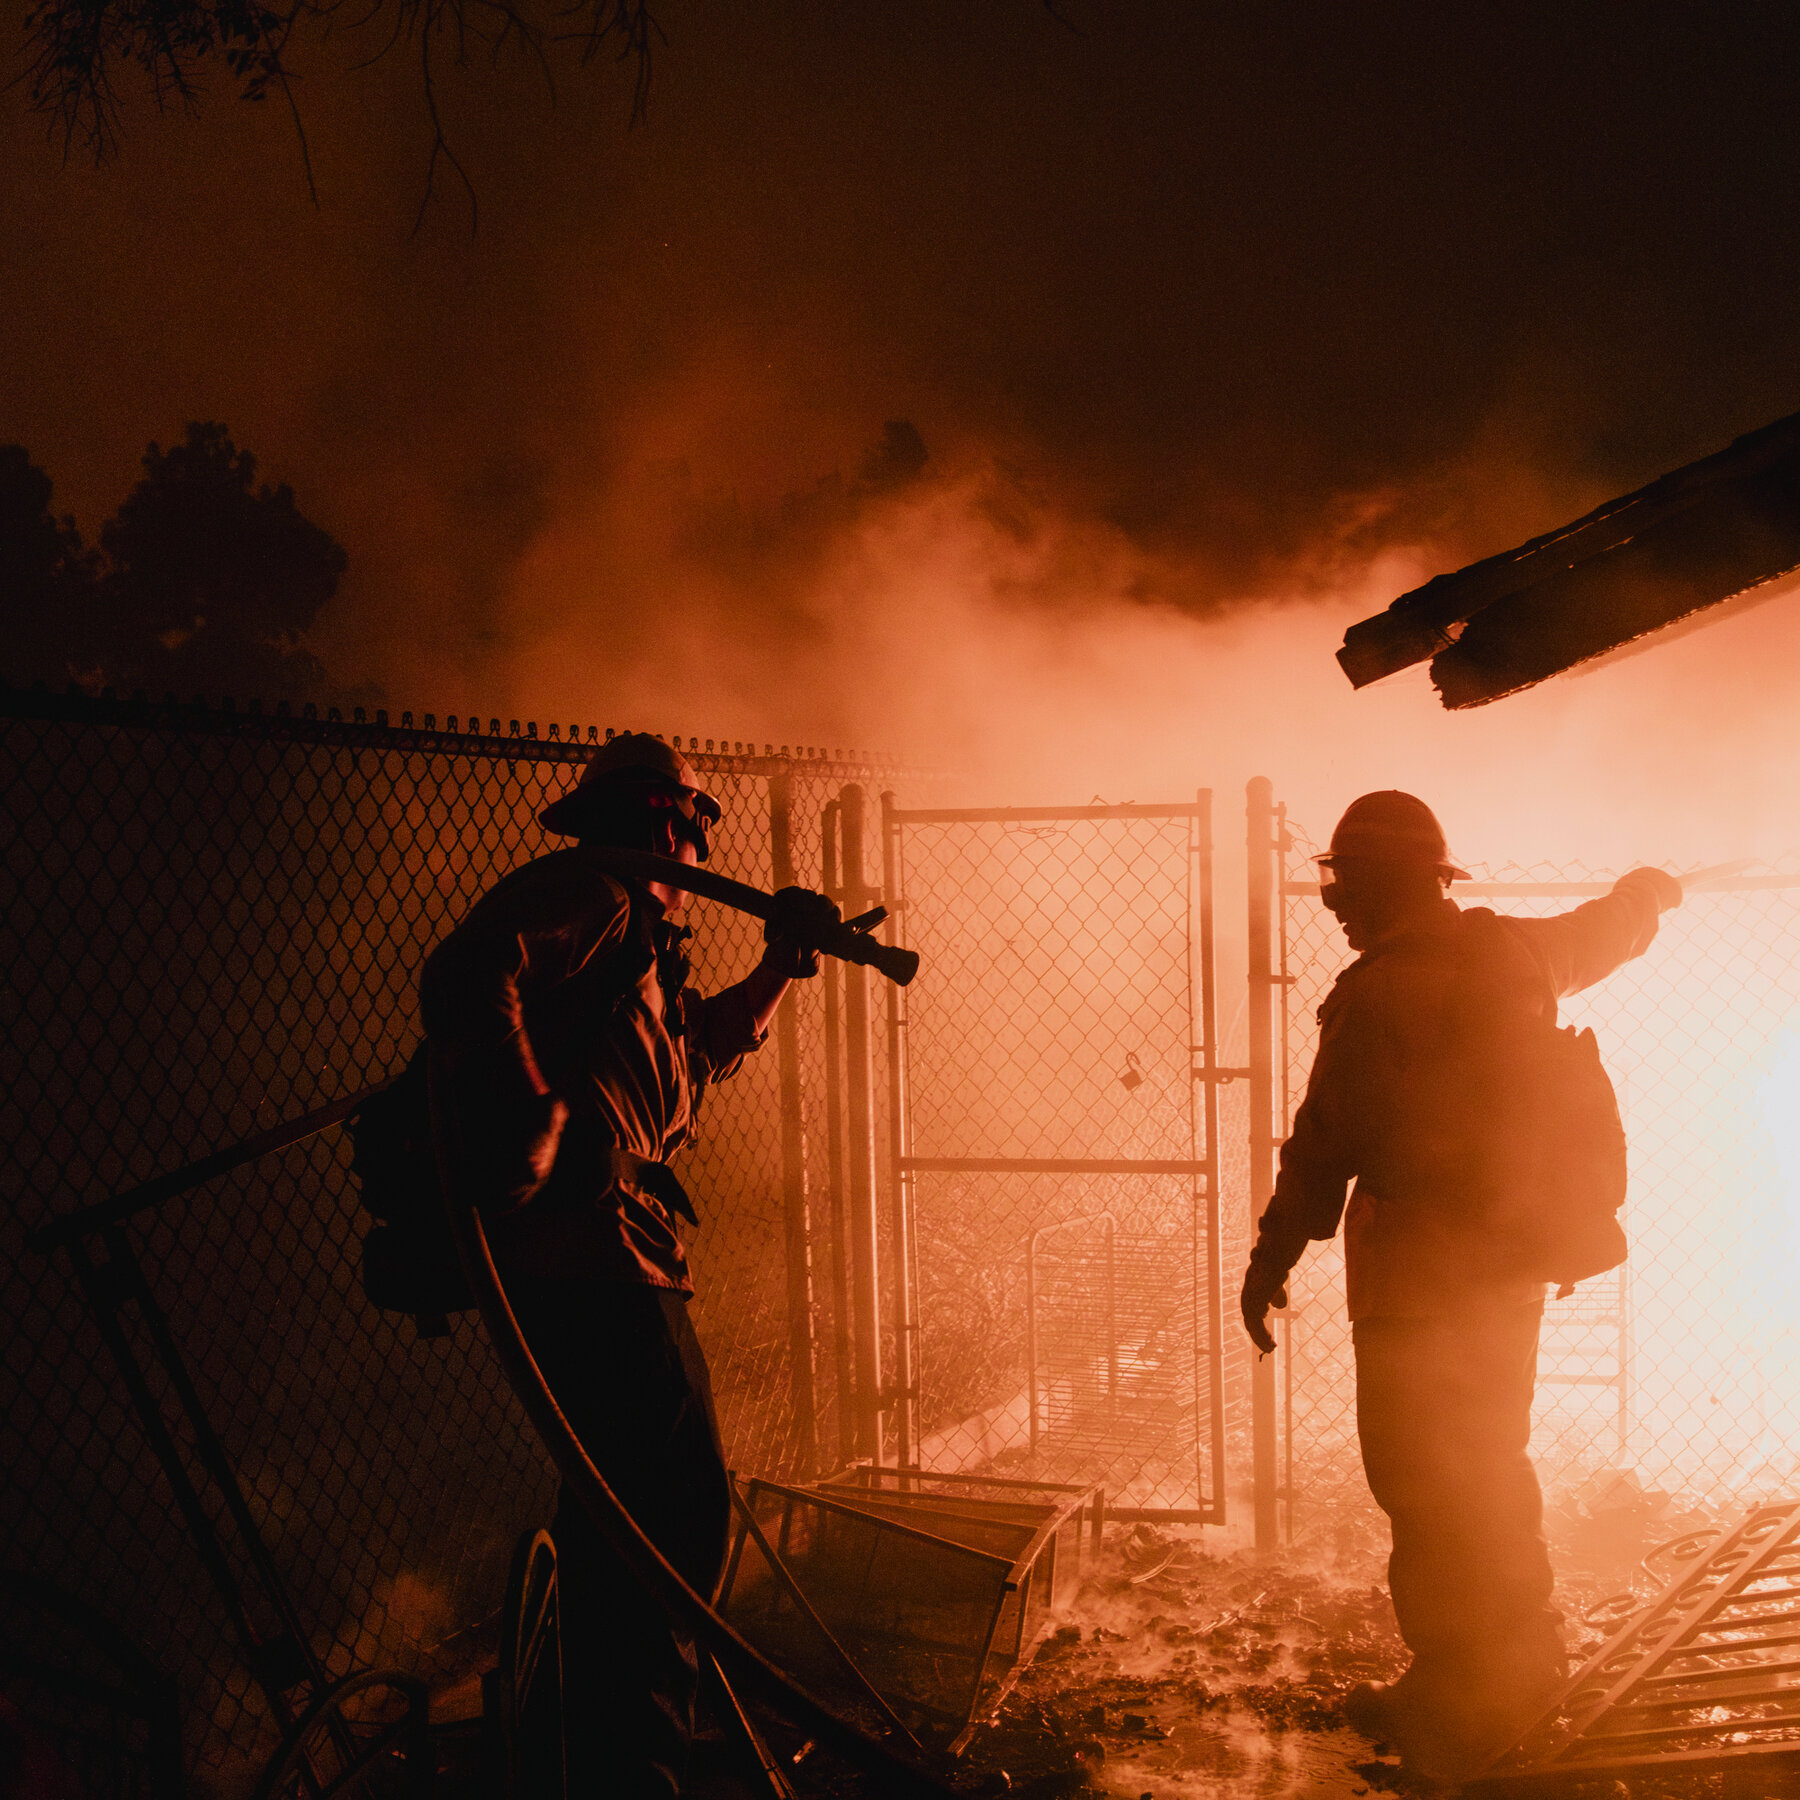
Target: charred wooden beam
[[1693, 538]]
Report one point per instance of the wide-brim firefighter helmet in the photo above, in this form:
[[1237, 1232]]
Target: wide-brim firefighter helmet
[[635, 760], [1392, 827]]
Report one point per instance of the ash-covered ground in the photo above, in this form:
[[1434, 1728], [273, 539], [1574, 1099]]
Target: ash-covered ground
[[1190, 1673], [1190, 1670], [1187, 1667]]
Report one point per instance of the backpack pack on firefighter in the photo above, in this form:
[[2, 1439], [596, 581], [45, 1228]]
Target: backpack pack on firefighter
[[409, 1258], [1542, 1113]]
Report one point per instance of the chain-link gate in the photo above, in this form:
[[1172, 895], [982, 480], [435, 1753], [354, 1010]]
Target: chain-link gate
[[213, 922], [1683, 1367], [1053, 1149]]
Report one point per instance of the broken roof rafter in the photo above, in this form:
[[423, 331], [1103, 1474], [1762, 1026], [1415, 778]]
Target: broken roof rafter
[[1697, 536]]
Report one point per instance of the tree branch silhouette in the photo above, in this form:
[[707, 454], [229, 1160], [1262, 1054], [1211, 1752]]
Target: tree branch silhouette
[[77, 50]]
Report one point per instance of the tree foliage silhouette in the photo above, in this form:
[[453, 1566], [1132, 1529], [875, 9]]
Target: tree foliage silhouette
[[206, 583], [47, 577]]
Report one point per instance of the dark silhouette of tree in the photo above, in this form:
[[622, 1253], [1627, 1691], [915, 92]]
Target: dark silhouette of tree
[[204, 582], [211, 581], [47, 579]]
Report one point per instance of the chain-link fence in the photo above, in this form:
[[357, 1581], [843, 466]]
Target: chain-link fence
[[1060, 1140], [1684, 1366], [214, 922]]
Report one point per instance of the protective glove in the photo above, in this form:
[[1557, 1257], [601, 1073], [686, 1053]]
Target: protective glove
[[1264, 1286], [791, 936], [1661, 883]]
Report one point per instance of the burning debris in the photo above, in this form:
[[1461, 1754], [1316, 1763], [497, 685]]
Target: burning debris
[[1189, 1675]]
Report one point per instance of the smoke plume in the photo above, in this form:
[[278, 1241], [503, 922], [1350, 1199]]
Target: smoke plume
[[1218, 328]]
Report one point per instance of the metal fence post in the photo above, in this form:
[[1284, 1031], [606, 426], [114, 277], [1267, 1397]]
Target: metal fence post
[[1031, 1343], [1208, 1270], [859, 1083], [1260, 846], [844, 1333], [901, 1177], [1112, 1315], [797, 1229]]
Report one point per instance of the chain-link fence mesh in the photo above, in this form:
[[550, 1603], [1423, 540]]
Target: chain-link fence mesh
[[1684, 1366], [213, 923], [1067, 1316]]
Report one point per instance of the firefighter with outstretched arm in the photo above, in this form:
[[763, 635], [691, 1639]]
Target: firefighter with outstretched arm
[[569, 1058], [1443, 1091]]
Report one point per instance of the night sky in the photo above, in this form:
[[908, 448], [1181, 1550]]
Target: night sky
[[1196, 308]]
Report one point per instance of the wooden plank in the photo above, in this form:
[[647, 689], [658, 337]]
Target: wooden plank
[[1425, 622]]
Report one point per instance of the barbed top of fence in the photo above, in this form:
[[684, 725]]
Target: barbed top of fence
[[462, 734]]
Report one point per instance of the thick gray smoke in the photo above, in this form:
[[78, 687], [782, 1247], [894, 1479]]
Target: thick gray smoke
[[1219, 327]]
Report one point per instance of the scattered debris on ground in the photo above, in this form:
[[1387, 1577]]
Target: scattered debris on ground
[[1188, 1674], [1186, 1669], [1185, 1673]]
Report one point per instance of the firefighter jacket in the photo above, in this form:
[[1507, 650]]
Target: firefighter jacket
[[564, 982], [1414, 1243]]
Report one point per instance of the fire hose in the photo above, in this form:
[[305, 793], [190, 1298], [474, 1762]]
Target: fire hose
[[848, 939], [740, 1660]]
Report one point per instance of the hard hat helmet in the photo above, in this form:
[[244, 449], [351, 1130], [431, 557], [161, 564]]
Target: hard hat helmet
[[1392, 827], [636, 762]]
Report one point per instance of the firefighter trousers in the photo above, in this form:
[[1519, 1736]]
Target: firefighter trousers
[[1443, 1409], [628, 1372]]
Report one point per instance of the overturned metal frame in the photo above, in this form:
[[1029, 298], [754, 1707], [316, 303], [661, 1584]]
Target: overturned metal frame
[[1700, 1679], [1007, 1539]]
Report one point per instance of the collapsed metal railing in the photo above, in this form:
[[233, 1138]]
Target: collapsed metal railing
[[1700, 1679]]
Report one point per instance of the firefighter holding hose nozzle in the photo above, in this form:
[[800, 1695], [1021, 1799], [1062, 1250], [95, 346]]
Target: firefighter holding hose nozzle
[[1488, 1160], [569, 1056]]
